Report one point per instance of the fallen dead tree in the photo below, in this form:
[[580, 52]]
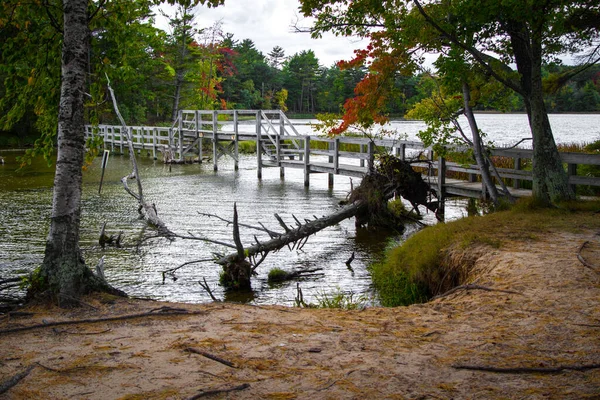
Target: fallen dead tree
[[368, 203], [147, 210]]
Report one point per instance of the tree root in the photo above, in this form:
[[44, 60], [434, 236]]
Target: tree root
[[161, 312], [12, 381], [525, 370], [594, 268], [217, 391]]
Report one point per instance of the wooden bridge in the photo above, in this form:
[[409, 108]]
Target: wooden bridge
[[196, 134]]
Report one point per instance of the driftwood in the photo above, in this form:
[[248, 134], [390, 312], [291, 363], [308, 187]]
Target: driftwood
[[283, 276], [12, 381], [594, 268], [111, 240], [210, 356], [218, 391], [526, 370], [163, 311]]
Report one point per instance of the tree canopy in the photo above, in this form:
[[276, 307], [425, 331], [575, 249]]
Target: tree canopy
[[493, 35]]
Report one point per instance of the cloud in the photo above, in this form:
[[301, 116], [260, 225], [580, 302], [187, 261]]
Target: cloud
[[269, 23]]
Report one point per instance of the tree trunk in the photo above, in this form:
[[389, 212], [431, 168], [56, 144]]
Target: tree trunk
[[550, 181], [63, 268], [477, 145]]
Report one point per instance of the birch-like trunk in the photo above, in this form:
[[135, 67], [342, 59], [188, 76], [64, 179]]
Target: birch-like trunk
[[478, 146], [63, 267]]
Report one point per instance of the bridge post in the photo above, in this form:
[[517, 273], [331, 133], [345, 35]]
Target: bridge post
[[258, 146], [281, 133], [572, 171], [236, 132], [154, 143], [198, 137], [517, 182], [362, 150], [180, 128], [215, 141], [121, 140], [330, 160], [401, 151], [441, 183], [306, 160], [371, 151]]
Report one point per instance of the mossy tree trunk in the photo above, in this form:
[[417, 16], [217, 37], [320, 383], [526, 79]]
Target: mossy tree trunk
[[550, 181]]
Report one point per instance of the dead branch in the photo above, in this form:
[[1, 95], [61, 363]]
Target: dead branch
[[80, 333], [12, 381], [583, 261], [211, 356], [526, 370], [236, 234], [473, 287], [349, 261], [228, 222], [171, 271], [293, 235], [149, 209], [283, 225], [217, 391], [205, 286], [111, 240], [161, 313], [287, 276]]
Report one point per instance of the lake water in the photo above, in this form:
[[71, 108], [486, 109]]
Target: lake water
[[186, 190]]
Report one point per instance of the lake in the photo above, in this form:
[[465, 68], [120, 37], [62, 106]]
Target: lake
[[183, 191]]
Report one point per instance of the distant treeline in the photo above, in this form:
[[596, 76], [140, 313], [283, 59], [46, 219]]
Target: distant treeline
[[155, 73]]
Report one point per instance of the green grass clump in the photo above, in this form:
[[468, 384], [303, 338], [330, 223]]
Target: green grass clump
[[277, 275], [424, 264], [247, 147], [341, 300]]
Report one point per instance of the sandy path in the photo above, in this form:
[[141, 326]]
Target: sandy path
[[286, 353]]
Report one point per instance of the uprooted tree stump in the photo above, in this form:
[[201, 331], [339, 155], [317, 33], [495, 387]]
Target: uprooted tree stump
[[368, 204]]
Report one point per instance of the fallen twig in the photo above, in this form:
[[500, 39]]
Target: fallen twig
[[217, 391], [526, 370], [583, 261], [207, 288], [171, 271], [212, 357], [108, 319], [12, 381], [473, 287]]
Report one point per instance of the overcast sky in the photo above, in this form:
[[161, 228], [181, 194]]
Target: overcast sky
[[269, 23]]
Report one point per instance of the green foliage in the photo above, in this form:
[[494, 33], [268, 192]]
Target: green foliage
[[341, 300], [247, 147], [35, 282], [277, 275]]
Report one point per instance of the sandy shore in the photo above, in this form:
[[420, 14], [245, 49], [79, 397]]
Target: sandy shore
[[541, 342]]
